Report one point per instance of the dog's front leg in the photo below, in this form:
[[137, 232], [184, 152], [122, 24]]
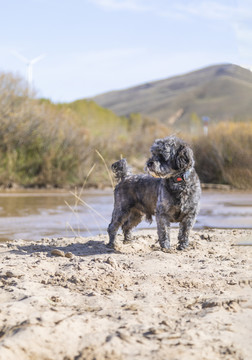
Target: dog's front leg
[[163, 227], [184, 229]]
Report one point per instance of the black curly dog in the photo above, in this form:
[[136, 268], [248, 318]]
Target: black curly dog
[[171, 191]]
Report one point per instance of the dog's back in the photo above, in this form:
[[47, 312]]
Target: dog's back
[[138, 192], [134, 192]]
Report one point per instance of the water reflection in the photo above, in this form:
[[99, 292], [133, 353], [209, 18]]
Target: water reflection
[[32, 215]]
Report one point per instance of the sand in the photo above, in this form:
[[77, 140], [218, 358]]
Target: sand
[[72, 298]]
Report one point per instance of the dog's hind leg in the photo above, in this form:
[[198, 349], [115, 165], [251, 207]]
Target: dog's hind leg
[[133, 220], [117, 220]]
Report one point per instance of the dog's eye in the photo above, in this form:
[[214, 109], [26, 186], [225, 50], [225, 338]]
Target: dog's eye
[[161, 158]]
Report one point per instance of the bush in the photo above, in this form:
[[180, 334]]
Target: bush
[[225, 156], [38, 145]]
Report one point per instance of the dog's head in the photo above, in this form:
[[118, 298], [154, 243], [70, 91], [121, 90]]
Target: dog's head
[[170, 156]]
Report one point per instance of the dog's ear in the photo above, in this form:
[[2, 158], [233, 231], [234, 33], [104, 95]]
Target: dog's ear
[[184, 158]]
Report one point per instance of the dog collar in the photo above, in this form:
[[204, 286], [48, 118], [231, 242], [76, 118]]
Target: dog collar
[[182, 177], [179, 179]]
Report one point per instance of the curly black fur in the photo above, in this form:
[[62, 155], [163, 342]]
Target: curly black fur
[[172, 193]]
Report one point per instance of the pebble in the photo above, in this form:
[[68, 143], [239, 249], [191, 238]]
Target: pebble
[[9, 274], [69, 255], [57, 252]]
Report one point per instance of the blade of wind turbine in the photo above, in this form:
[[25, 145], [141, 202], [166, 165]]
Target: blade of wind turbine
[[20, 57], [33, 61]]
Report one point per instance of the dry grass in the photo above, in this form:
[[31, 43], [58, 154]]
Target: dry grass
[[225, 156]]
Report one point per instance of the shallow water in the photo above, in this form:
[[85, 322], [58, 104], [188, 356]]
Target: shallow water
[[32, 215]]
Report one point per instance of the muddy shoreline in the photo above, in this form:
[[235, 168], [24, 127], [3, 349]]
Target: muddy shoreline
[[72, 298]]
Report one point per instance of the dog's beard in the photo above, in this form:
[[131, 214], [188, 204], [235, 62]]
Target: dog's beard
[[160, 170], [153, 174], [158, 175]]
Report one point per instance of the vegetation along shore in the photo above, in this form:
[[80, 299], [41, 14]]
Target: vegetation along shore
[[46, 144]]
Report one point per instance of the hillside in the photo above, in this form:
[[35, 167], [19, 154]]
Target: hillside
[[222, 92]]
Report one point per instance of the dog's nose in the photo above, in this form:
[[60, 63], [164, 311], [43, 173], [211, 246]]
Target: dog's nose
[[149, 163]]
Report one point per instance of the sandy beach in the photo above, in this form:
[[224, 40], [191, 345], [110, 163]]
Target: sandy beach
[[72, 298]]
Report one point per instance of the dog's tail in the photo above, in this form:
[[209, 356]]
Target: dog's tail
[[120, 169]]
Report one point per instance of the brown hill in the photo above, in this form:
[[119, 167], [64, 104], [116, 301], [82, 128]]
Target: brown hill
[[222, 92]]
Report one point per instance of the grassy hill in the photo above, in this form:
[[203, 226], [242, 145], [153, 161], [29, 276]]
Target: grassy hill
[[222, 92]]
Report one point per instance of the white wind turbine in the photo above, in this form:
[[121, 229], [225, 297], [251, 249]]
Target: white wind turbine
[[29, 64]]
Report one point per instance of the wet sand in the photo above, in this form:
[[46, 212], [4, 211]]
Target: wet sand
[[72, 298]]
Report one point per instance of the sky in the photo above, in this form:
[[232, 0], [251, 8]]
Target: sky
[[95, 46]]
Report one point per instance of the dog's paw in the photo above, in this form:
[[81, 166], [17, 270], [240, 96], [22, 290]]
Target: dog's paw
[[182, 246], [110, 246], [126, 242], [167, 250], [165, 245]]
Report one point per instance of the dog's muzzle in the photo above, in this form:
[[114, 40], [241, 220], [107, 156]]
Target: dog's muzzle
[[149, 168]]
